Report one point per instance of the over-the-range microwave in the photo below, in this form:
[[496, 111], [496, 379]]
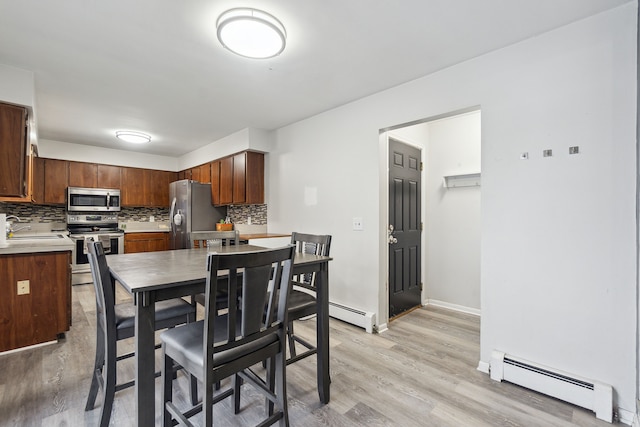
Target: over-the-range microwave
[[93, 199]]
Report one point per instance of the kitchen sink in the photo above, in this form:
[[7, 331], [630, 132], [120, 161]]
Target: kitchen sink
[[38, 237]]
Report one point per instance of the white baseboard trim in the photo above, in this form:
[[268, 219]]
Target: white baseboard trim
[[628, 417], [483, 367], [456, 307], [382, 328]]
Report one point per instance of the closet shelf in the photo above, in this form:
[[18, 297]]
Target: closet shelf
[[461, 180]]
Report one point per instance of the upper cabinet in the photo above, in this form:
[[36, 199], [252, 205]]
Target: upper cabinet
[[56, 181], [146, 187], [15, 153], [83, 175], [238, 179], [139, 187]]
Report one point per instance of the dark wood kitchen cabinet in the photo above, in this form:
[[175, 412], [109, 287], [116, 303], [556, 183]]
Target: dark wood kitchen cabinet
[[83, 175], [56, 181], [132, 192], [146, 187], [240, 179], [109, 176], [45, 311], [15, 153], [145, 242]]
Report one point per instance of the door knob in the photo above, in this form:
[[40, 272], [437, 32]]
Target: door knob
[[391, 239]]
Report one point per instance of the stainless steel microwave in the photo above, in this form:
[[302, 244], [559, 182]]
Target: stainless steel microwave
[[93, 199]]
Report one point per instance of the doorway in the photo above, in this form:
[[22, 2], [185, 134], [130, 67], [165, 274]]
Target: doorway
[[449, 247]]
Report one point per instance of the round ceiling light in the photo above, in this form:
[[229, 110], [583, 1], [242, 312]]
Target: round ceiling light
[[251, 33], [133, 136]]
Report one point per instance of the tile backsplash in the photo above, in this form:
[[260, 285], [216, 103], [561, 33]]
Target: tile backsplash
[[35, 213], [239, 214]]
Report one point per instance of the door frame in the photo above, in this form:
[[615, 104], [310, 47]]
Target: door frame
[[383, 209]]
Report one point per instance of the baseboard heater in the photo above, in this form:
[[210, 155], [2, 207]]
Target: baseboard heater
[[364, 319], [589, 394]]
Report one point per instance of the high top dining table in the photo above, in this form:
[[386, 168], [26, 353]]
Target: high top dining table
[[157, 276]]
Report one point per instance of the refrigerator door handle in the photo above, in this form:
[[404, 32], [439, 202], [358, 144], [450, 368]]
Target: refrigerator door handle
[[173, 207]]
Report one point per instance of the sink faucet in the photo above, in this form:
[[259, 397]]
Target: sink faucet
[[24, 227], [13, 217]]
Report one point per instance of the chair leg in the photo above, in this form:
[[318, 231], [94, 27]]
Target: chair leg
[[271, 383], [97, 372], [292, 343], [281, 387], [237, 382], [167, 390], [109, 385], [193, 389]]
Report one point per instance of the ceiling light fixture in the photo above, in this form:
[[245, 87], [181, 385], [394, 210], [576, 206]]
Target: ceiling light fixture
[[251, 33], [133, 136]]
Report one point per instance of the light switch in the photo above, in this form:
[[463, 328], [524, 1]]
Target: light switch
[[357, 224], [23, 287]]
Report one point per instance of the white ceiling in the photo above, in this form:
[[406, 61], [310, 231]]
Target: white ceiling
[[156, 65]]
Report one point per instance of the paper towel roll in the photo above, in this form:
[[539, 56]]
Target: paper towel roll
[[3, 231]]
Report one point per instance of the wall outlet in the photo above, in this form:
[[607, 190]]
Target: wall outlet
[[249, 220], [23, 287], [357, 224]]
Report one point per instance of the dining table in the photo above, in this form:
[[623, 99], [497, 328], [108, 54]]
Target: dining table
[[155, 276]]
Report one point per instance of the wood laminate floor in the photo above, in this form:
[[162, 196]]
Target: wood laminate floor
[[421, 372]]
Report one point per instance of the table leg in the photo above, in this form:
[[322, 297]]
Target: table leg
[[145, 359], [322, 332]]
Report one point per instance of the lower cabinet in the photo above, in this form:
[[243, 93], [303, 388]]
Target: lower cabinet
[[35, 298], [145, 242]]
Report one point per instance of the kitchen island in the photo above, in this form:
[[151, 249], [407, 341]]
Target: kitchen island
[[35, 290]]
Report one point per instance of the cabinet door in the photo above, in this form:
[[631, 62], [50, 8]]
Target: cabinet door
[[56, 179], [44, 312], [38, 180], [133, 191], [215, 183], [239, 178], [83, 174], [226, 181], [157, 242], [109, 176], [13, 151], [205, 173], [157, 187], [255, 178]]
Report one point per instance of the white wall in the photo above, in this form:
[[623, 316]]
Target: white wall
[[558, 234]]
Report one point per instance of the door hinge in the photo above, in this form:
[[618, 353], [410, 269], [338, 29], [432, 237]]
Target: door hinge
[[421, 226], [421, 286], [421, 166]]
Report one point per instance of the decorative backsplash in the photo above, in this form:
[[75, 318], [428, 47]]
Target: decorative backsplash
[[143, 214], [35, 213], [238, 214]]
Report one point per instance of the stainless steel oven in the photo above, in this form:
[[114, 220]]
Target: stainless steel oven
[[93, 199], [98, 227]]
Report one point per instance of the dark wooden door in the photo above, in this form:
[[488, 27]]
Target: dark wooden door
[[405, 218], [83, 175], [13, 150]]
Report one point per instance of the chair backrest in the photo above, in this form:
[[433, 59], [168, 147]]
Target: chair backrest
[[265, 279], [310, 244], [199, 238], [105, 289]]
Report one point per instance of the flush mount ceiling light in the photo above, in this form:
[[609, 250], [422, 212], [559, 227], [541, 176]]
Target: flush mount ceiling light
[[133, 136], [251, 33]]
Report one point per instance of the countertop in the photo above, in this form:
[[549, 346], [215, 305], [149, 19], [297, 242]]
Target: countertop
[[248, 236], [37, 242]]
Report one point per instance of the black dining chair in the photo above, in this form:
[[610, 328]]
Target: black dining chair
[[116, 322], [228, 345], [302, 298], [199, 240]]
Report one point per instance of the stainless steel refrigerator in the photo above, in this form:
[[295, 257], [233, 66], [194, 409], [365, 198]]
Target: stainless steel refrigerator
[[191, 210]]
